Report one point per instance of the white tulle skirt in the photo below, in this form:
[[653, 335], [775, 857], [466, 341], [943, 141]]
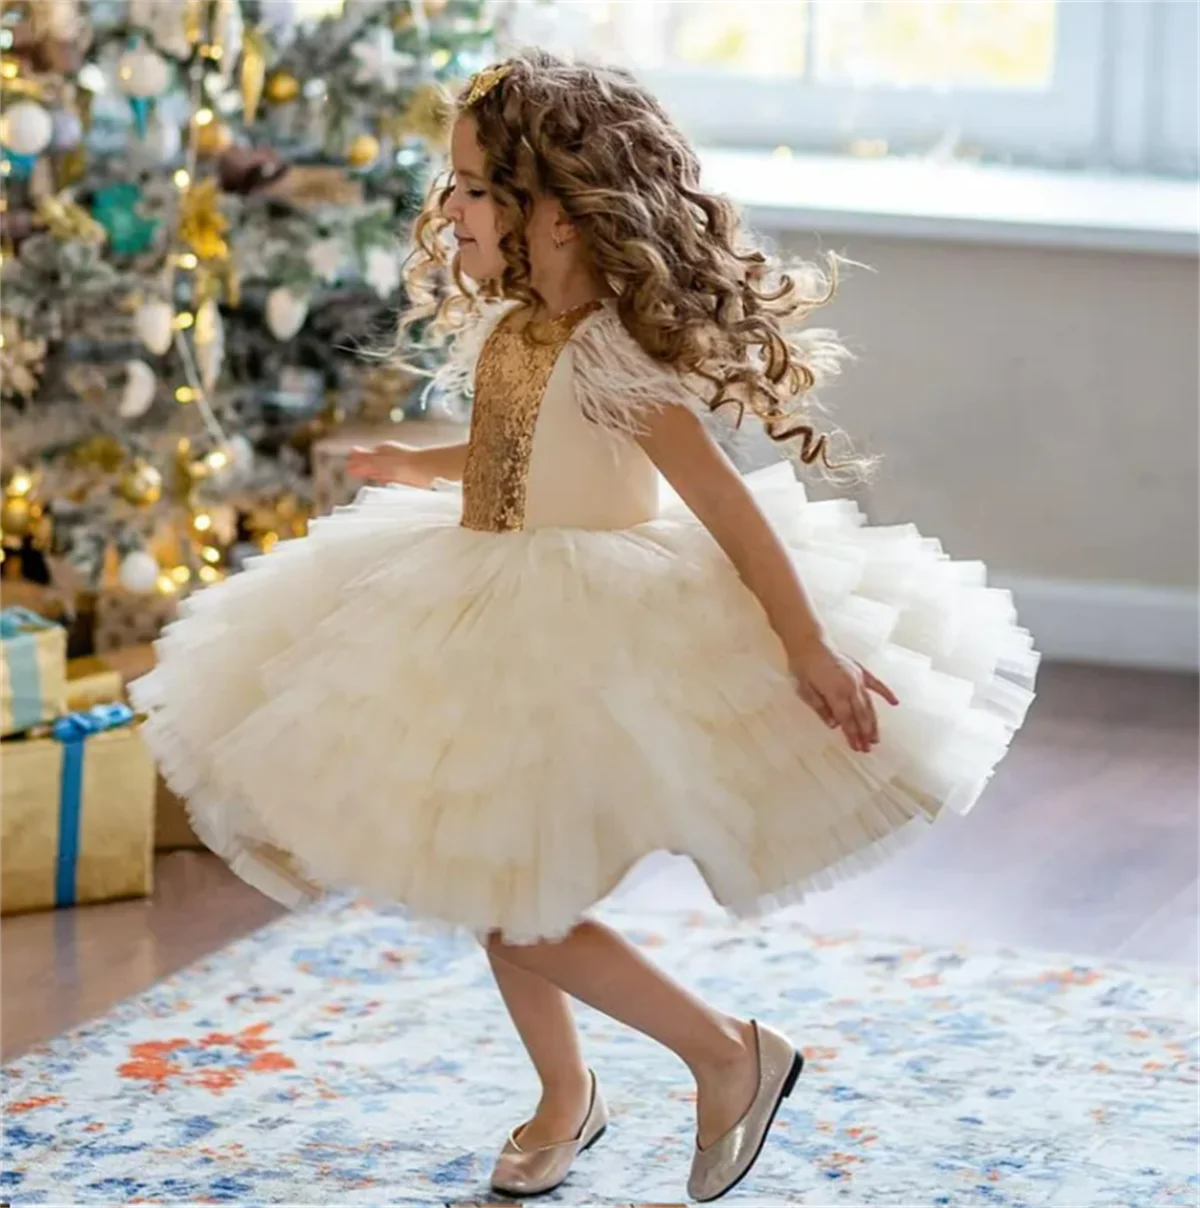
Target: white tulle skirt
[[494, 729]]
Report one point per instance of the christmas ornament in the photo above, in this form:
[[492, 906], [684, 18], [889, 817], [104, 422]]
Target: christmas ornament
[[143, 74], [210, 137], [56, 21], [140, 387], [138, 572], [19, 511], [428, 115], [202, 226], [168, 24], [246, 169], [254, 73], [141, 484], [325, 258], [68, 221], [153, 321], [363, 150], [382, 271], [21, 360], [115, 207], [286, 312], [26, 129], [67, 129], [209, 338], [281, 87], [379, 62]]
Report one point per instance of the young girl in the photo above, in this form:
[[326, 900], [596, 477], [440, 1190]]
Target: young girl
[[489, 703]]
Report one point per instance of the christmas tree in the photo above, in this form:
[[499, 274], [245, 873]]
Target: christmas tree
[[204, 209]]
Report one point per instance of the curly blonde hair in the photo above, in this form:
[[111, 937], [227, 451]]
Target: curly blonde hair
[[691, 286]]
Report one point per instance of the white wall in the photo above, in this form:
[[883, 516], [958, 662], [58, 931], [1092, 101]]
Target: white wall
[[1036, 409]]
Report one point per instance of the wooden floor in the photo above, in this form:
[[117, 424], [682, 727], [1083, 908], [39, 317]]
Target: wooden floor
[[1086, 843]]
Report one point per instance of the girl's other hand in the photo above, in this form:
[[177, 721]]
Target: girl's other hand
[[382, 463], [839, 691]]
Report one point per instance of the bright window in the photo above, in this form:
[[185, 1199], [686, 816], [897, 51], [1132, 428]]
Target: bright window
[[1070, 83]]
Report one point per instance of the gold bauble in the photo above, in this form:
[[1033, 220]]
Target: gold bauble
[[211, 139], [363, 151], [16, 517], [141, 484], [281, 87]]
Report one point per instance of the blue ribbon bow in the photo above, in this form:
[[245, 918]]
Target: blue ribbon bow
[[72, 731]]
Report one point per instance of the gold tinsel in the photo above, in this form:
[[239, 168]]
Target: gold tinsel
[[202, 226], [21, 360], [428, 114], [67, 220]]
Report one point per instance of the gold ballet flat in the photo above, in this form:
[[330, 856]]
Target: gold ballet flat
[[526, 1172], [724, 1164]]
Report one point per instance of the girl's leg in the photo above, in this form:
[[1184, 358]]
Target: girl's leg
[[541, 1013], [597, 966]]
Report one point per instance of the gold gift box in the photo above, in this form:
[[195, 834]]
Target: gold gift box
[[33, 659], [63, 848]]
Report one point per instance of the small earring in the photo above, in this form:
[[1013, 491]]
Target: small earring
[[559, 240]]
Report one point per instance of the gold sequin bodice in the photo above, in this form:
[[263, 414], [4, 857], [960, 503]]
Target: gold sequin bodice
[[510, 381]]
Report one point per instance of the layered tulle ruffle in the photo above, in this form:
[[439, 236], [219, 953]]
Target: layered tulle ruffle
[[494, 729]]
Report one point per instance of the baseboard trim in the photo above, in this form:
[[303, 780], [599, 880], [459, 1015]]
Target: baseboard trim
[[1123, 625]]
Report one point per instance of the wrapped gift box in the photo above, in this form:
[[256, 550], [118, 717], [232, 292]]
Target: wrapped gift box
[[333, 485], [126, 618], [91, 681], [33, 677], [77, 817], [107, 676]]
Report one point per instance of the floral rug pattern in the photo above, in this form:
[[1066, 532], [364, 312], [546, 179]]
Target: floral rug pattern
[[344, 1056]]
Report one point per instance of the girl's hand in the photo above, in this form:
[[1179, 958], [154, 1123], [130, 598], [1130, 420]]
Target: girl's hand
[[839, 691], [383, 463]]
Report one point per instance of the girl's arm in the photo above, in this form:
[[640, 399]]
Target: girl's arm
[[835, 687], [408, 464]]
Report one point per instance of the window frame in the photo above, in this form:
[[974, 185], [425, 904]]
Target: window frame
[[1124, 95]]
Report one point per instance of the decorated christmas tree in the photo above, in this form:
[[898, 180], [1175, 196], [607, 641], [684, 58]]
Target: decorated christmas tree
[[204, 208]]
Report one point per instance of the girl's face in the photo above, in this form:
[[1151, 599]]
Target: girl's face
[[477, 218]]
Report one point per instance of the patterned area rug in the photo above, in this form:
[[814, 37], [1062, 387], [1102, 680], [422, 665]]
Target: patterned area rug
[[341, 1056]]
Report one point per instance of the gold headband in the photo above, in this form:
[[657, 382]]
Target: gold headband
[[482, 82]]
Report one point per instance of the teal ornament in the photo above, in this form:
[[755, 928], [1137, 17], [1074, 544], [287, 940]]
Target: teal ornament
[[115, 208], [140, 105], [20, 167]]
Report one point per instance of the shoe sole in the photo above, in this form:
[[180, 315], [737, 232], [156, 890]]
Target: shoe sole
[[533, 1195], [789, 1085]]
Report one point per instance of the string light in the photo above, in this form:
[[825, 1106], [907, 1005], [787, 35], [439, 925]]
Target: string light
[[182, 178], [9, 70], [210, 553], [166, 585], [204, 117], [21, 483], [181, 574], [187, 260], [202, 523], [185, 394], [184, 320], [218, 459], [209, 574]]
